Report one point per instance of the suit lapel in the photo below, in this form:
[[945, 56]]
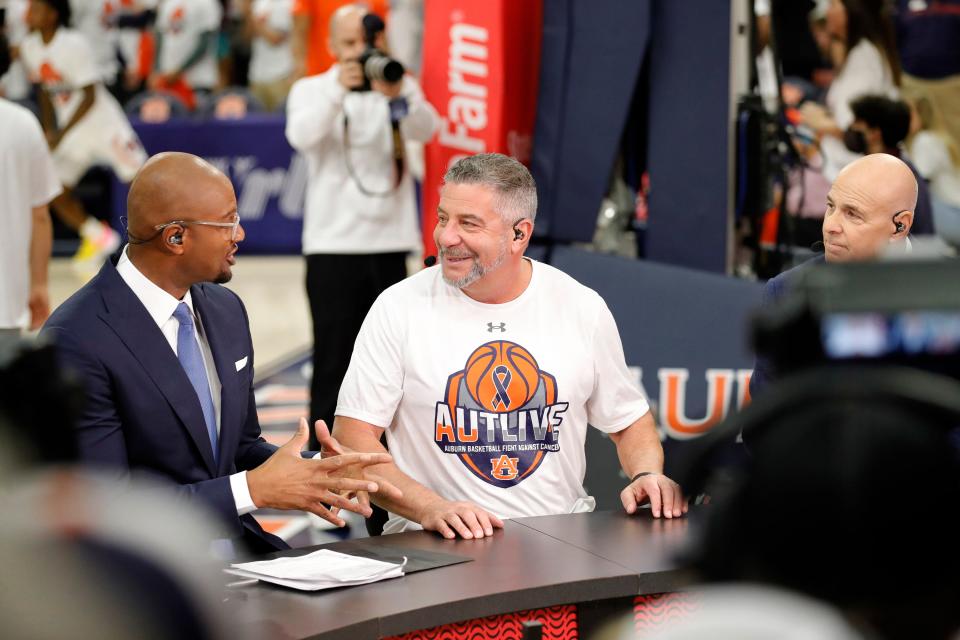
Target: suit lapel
[[128, 318], [215, 327]]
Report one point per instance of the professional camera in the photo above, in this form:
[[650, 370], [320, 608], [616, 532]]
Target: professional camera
[[376, 64]]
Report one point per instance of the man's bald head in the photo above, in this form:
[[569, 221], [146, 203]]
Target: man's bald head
[[164, 186], [196, 208], [870, 205], [349, 16], [887, 178]]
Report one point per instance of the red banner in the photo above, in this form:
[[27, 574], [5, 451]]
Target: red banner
[[481, 65]]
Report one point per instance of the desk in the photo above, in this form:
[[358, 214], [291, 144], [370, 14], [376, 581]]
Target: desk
[[532, 563]]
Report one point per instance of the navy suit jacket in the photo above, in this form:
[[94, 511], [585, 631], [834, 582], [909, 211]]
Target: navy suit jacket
[[142, 414], [763, 370]]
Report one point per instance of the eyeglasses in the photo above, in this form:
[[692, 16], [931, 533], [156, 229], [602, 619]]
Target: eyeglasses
[[233, 226]]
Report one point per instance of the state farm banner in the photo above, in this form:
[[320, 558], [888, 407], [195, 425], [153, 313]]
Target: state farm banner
[[481, 64]]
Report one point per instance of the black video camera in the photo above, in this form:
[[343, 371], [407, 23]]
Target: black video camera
[[376, 64], [898, 312]]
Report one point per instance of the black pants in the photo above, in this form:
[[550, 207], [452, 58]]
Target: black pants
[[341, 290]]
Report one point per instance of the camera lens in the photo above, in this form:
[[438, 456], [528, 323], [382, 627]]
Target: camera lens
[[381, 67]]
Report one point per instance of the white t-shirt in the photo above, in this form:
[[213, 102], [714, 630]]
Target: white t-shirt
[[865, 72], [95, 19], [270, 62], [338, 217], [490, 402], [64, 66], [931, 157], [27, 180], [181, 23]]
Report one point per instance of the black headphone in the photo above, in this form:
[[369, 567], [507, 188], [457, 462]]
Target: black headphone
[[517, 234]]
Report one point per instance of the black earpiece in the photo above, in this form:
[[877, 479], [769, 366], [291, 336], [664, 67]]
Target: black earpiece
[[517, 234], [897, 225], [175, 239]]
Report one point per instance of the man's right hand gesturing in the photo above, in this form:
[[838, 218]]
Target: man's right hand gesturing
[[288, 481]]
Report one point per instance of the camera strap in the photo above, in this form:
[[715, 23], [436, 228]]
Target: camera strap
[[398, 153]]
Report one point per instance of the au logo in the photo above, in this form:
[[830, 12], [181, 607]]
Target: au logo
[[504, 468]]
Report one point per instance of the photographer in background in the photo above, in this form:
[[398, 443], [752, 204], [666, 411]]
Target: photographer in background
[[351, 123]]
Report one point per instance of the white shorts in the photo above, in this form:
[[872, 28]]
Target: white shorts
[[99, 141]]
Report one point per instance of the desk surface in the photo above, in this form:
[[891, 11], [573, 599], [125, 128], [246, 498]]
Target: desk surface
[[531, 563]]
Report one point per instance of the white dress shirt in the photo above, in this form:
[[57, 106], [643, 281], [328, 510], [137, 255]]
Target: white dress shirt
[[161, 305]]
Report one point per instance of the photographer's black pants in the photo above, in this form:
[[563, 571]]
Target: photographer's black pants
[[341, 289]]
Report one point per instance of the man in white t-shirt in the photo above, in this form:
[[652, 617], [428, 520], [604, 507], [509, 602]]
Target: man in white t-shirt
[[485, 371], [83, 123], [186, 44], [28, 183]]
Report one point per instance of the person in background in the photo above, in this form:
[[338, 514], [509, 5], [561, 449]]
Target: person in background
[[268, 24], [14, 84], [865, 62], [186, 49], [928, 37], [937, 158], [83, 123], [311, 33], [880, 125], [96, 20], [28, 181]]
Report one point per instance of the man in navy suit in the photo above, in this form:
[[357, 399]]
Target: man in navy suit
[[870, 209], [167, 362]]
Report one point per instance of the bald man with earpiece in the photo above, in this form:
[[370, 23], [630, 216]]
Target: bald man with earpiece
[[869, 211]]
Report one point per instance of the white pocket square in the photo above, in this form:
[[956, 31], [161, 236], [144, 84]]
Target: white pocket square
[[240, 364]]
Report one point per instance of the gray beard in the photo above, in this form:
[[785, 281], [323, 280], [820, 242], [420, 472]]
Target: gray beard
[[477, 271]]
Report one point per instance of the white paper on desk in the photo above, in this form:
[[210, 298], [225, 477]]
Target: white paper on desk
[[322, 569]]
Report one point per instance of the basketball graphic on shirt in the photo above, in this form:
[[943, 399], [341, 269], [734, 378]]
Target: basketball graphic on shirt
[[501, 376], [500, 414]]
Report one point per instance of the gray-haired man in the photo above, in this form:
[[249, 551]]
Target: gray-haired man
[[485, 370]]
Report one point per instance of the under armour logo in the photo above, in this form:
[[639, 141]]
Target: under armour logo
[[498, 327]]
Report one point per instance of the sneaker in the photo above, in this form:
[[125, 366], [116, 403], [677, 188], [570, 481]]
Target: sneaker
[[98, 242]]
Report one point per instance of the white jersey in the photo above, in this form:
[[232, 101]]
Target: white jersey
[[182, 23], [64, 66], [96, 20], [27, 180], [269, 62], [490, 402]]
